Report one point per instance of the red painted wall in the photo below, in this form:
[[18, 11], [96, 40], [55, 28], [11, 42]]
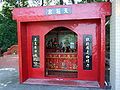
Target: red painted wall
[[84, 19]]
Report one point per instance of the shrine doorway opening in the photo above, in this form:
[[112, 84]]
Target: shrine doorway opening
[[61, 53]]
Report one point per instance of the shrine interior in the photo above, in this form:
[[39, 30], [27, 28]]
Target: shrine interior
[[61, 53]]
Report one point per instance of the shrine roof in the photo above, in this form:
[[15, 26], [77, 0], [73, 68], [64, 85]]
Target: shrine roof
[[62, 12]]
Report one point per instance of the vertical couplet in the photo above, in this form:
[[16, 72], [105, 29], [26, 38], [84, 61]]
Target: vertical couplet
[[35, 52], [87, 52]]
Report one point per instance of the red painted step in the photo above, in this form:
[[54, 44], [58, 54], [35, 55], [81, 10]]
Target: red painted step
[[61, 82]]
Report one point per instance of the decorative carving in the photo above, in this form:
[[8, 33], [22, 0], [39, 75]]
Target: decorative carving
[[62, 61]]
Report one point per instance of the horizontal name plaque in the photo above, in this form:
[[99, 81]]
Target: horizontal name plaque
[[54, 11]]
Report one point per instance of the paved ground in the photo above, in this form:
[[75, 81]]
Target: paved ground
[[9, 78]]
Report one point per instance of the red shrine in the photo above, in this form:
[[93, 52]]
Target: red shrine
[[62, 43]]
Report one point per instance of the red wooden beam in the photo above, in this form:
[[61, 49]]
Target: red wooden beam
[[79, 11]]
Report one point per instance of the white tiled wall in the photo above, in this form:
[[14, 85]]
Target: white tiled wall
[[115, 46]]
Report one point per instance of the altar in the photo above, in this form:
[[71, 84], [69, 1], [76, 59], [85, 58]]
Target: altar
[[61, 53], [61, 64]]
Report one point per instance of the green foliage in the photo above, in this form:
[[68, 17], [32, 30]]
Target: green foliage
[[89, 1], [100, 0], [8, 35], [8, 27]]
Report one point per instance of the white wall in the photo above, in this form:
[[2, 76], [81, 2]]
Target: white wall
[[115, 46]]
